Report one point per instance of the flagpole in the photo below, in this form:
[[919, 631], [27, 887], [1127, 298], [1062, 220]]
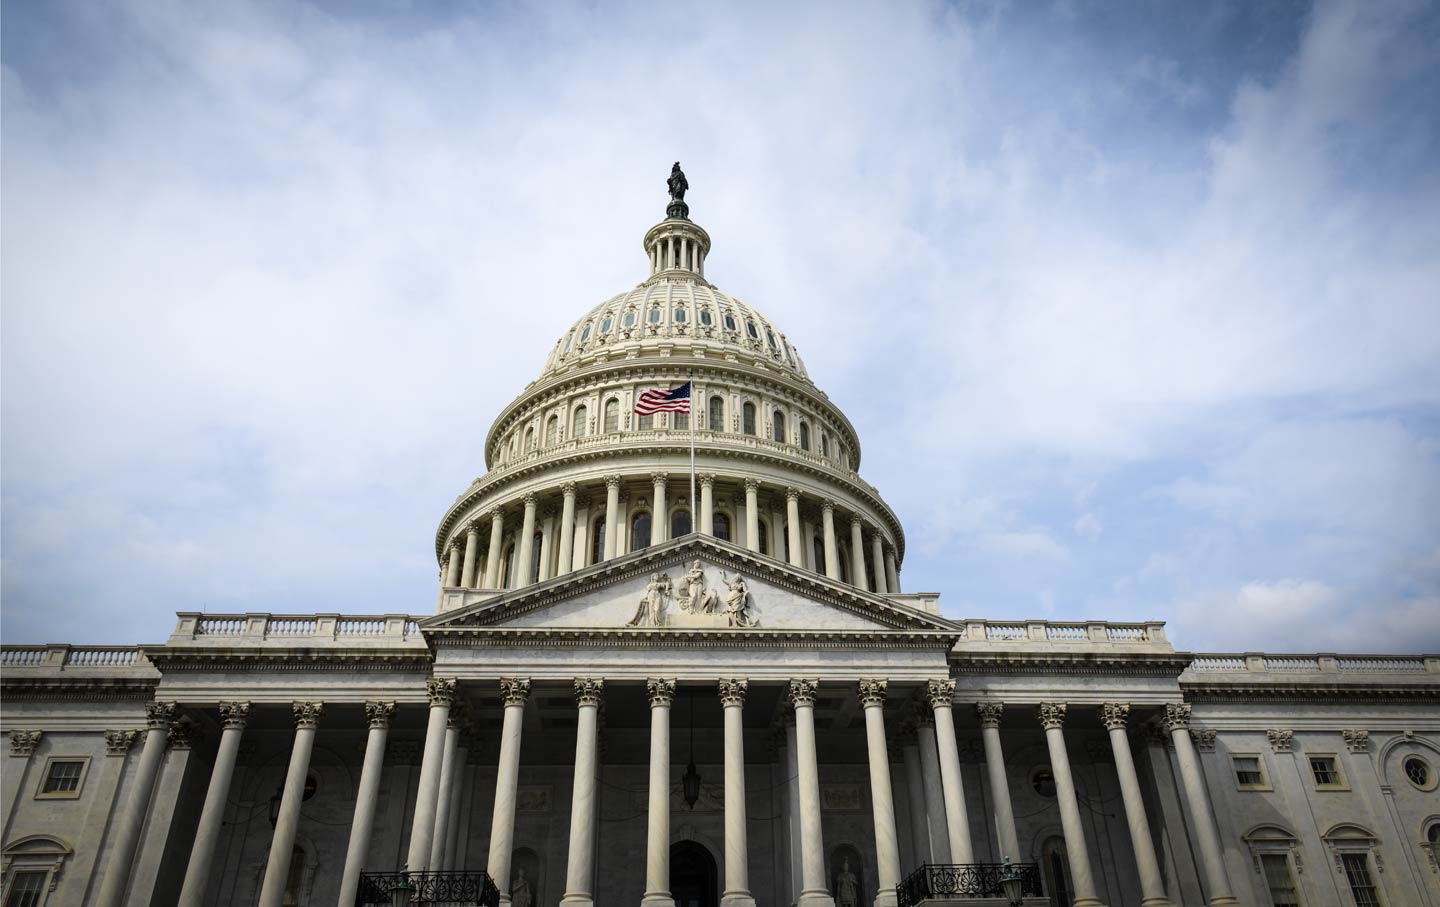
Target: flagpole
[[694, 505]]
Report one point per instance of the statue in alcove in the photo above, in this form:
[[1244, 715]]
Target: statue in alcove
[[847, 893]]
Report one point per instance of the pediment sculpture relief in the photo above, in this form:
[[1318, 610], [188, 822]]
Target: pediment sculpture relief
[[654, 603], [697, 605]]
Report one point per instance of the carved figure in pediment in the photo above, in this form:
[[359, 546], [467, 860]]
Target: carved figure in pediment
[[737, 603], [694, 598], [651, 612]]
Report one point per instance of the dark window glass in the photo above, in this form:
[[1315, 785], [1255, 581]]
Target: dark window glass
[[717, 414], [1279, 880], [1362, 884], [597, 541], [721, 527], [1247, 770], [655, 315], [778, 427], [585, 334], [1323, 768], [646, 422], [706, 318], [580, 423], [26, 889], [751, 330], [680, 421], [1418, 772], [765, 542], [804, 435], [629, 319], [535, 557], [730, 322], [770, 336], [747, 418], [680, 523], [1043, 782], [63, 778], [606, 324], [612, 415], [679, 314], [819, 556], [640, 532]]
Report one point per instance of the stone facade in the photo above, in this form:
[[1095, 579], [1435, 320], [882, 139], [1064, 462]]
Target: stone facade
[[753, 713]]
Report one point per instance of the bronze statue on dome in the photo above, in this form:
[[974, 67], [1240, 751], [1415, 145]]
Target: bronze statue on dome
[[677, 183]]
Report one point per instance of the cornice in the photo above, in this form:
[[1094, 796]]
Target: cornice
[[88, 689], [170, 660], [1377, 691], [687, 638], [1136, 664]]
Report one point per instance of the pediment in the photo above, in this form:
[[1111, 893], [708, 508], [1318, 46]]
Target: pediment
[[692, 583]]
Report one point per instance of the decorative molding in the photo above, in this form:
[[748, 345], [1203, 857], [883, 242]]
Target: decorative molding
[[872, 692], [1357, 740], [1281, 739], [733, 691], [660, 692], [379, 713], [941, 693], [158, 715], [1115, 715], [440, 690], [514, 690], [1052, 715], [802, 693], [23, 743], [307, 714], [234, 714], [118, 743], [1177, 716], [589, 691], [1203, 738], [989, 713]]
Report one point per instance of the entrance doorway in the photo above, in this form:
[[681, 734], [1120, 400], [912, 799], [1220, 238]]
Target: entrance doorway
[[693, 879]]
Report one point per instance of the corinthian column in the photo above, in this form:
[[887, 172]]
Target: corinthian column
[[1177, 722], [707, 504], [612, 516], [378, 714], [832, 551], [752, 515], [432, 764], [492, 558], [127, 836], [957, 821], [525, 551], [515, 692], [657, 840], [580, 868], [472, 551], [792, 519], [282, 843], [659, 512], [989, 714], [935, 818], [813, 892], [857, 555], [1114, 715], [567, 531], [737, 852], [212, 814], [1052, 716], [882, 803], [445, 795], [452, 565], [877, 560]]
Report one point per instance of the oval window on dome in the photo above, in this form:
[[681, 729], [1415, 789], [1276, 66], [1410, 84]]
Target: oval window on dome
[[706, 318], [770, 335], [730, 322], [629, 319], [607, 324], [585, 334], [751, 329], [680, 314], [655, 315]]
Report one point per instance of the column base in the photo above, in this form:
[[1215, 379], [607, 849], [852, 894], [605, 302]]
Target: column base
[[885, 897], [577, 900], [657, 899], [818, 897], [737, 899]]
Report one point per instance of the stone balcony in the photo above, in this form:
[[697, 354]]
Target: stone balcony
[[1064, 636], [290, 631], [1223, 675], [62, 661]]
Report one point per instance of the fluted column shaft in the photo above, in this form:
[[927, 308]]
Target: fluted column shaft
[[580, 865], [451, 830], [547, 544], [857, 555], [707, 505], [282, 842], [1114, 716], [445, 799], [660, 516], [989, 714], [915, 792], [832, 556], [432, 765], [525, 551], [492, 559], [1052, 716], [934, 790], [792, 519], [737, 850], [472, 552], [882, 802], [877, 559], [612, 516], [892, 573], [567, 532], [452, 566], [657, 837], [515, 691], [752, 515], [363, 822], [957, 819], [813, 891], [116, 882], [212, 814], [1177, 722]]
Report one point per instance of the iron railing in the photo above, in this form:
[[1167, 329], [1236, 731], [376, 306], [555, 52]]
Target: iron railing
[[965, 880], [455, 889]]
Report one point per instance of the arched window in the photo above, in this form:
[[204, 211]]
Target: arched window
[[842, 552], [612, 415], [585, 334], [597, 541], [751, 330], [640, 532], [778, 427], [715, 421], [784, 542], [804, 435], [764, 538], [607, 324], [747, 418], [580, 423], [679, 314], [819, 555], [530, 437], [824, 445], [552, 430], [679, 523], [720, 525], [706, 318], [1056, 869], [507, 567], [646, 422], [729, 323]]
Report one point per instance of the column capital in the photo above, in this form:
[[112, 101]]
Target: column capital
[[159, 714], [613, 481], [454, 547], [1052, 715], [802, 692], [23, 743], [1282, 740], [307, 714], [529, 499], [1204, 739], [117, 743], [1114, 715], [989, 713], [660, 479], [514, 690], [792, 494], [733, 690], [441, 690], [496, 514], [589, 691], [856, 520], [940, 693], [1177, 715], [378, 713], [827, 506], [706, 479], [752, 485], [872, 692], [661, 692], [471, 528], [180, 736], [1357, 740], [568, 489], [234, 714]]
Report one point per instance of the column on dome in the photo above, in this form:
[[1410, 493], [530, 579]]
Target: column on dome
[[492, 558], [807, 537], [957, 820], [832, 550], [989, 714], [752, 515], [1052, 717], [212, 814], [660, 513], [612, 516], [525, 550], [452, 565], [622, 524], [857, 555], [282, 842], [1177, 723], [934, 788], [684, 252], [441, 693], [445, 798], [892, 573], [472, 551], [779, 535], [379, 715], [116, 884], [792, 514], [515, 691], [737, 851], [707, 503], [547, 543], [582, 532], [580, 864], [1115, 715], [887, 845], [657, 841], [669, 252], [564, 561], [877, 560], [813, 890]]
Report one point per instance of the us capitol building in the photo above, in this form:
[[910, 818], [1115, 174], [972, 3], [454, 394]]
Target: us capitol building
[[629, 694]]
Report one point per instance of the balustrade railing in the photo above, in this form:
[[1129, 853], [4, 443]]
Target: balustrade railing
[[1259, 663], [346, 629], [960, 881], [435, 889]]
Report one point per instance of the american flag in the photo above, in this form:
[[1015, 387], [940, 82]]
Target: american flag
[[659, 400]]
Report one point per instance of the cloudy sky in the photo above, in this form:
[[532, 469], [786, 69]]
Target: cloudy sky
[[1136, 307]]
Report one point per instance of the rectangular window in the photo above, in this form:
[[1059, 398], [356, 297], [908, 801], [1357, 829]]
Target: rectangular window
[[1279, 880], [682, 421], [25, 889], [1325, 771], [1357, 874], [63, 777], [1247, 771]]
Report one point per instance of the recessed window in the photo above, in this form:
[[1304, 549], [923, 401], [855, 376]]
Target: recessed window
[[679, 523], [612, 415], [312, 784], [1361, 882], [607, 324], [730, 322], [751, 329], [1043, 781], [655, 315], [640, 532], [679, 314], [63, 777], [778, 428], [1248, 772], [26, 889], [645, 422], [585, 334], [747, 418], [720, 526], [580, 423], [1326, 771], [804, 435], [1279, 880], [706, 318], [716, 418], [569, 342], [770, 336], [629, 319], [680, 421], [1419, 773]]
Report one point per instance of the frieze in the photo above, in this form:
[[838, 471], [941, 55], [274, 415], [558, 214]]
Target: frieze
[[841, 797], [533, 798]]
